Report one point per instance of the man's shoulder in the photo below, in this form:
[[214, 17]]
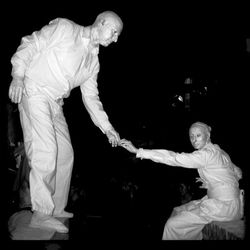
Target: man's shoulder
[[61, 20], [65, 25]]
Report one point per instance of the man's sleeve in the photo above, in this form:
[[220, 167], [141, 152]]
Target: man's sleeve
[[91, 100], [186, 160], [35, 42]]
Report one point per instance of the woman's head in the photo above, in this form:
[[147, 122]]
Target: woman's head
[[199, 134]]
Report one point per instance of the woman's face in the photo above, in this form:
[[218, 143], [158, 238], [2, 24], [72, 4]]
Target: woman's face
[[198, 137]]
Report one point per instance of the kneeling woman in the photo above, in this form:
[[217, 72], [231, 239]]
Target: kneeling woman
[[224, 199]]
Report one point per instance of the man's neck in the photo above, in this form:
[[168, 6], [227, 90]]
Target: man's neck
[[86, 32]]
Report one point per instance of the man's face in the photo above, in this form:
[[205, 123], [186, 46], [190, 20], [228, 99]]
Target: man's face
[[109, 33], [198, 137]]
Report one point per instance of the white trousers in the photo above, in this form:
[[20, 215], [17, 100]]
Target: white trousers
[[49, 150], [187, 221]]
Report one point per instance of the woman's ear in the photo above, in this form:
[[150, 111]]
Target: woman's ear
[[208, 136]]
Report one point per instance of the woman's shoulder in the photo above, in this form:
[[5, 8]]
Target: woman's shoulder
[[210, 148]]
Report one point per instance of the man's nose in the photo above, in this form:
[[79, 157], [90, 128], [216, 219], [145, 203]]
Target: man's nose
[[115, 38]]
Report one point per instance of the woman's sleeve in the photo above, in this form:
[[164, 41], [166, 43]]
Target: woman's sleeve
[[186, 160]]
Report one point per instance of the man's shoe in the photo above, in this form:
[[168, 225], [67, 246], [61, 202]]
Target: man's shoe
[[47, 222], [63, 214]]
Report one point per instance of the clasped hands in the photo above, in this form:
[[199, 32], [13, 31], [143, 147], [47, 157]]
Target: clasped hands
[[128, 145], [114, 140]]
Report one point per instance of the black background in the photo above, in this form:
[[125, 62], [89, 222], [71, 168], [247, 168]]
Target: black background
[[161, 45]]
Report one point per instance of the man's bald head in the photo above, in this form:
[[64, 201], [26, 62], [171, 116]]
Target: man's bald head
[[109, 17]]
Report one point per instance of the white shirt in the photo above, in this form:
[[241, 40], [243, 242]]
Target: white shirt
[[213, 164], [57, 59]]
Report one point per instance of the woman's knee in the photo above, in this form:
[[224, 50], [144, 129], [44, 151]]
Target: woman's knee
[[171, 222]]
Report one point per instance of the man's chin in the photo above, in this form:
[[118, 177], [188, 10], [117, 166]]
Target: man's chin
[[105, 44]]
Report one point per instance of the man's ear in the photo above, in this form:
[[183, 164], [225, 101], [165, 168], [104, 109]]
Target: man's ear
[[102, 22]]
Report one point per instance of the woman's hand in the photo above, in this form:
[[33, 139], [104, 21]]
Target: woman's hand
[[128, 145]]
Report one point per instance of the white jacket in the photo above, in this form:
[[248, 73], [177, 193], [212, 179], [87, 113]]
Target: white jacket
[[57, 59]]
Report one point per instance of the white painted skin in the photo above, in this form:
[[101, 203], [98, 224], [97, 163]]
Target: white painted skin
[[199, 136], [106, 29]]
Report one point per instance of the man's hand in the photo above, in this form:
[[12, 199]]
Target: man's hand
[[113, 137], [16, 90]]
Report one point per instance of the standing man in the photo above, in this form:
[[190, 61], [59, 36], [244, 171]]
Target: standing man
[[45, 68]]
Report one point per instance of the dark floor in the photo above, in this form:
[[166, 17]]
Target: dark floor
[[106, 230], [124, 225], [115, 227]]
